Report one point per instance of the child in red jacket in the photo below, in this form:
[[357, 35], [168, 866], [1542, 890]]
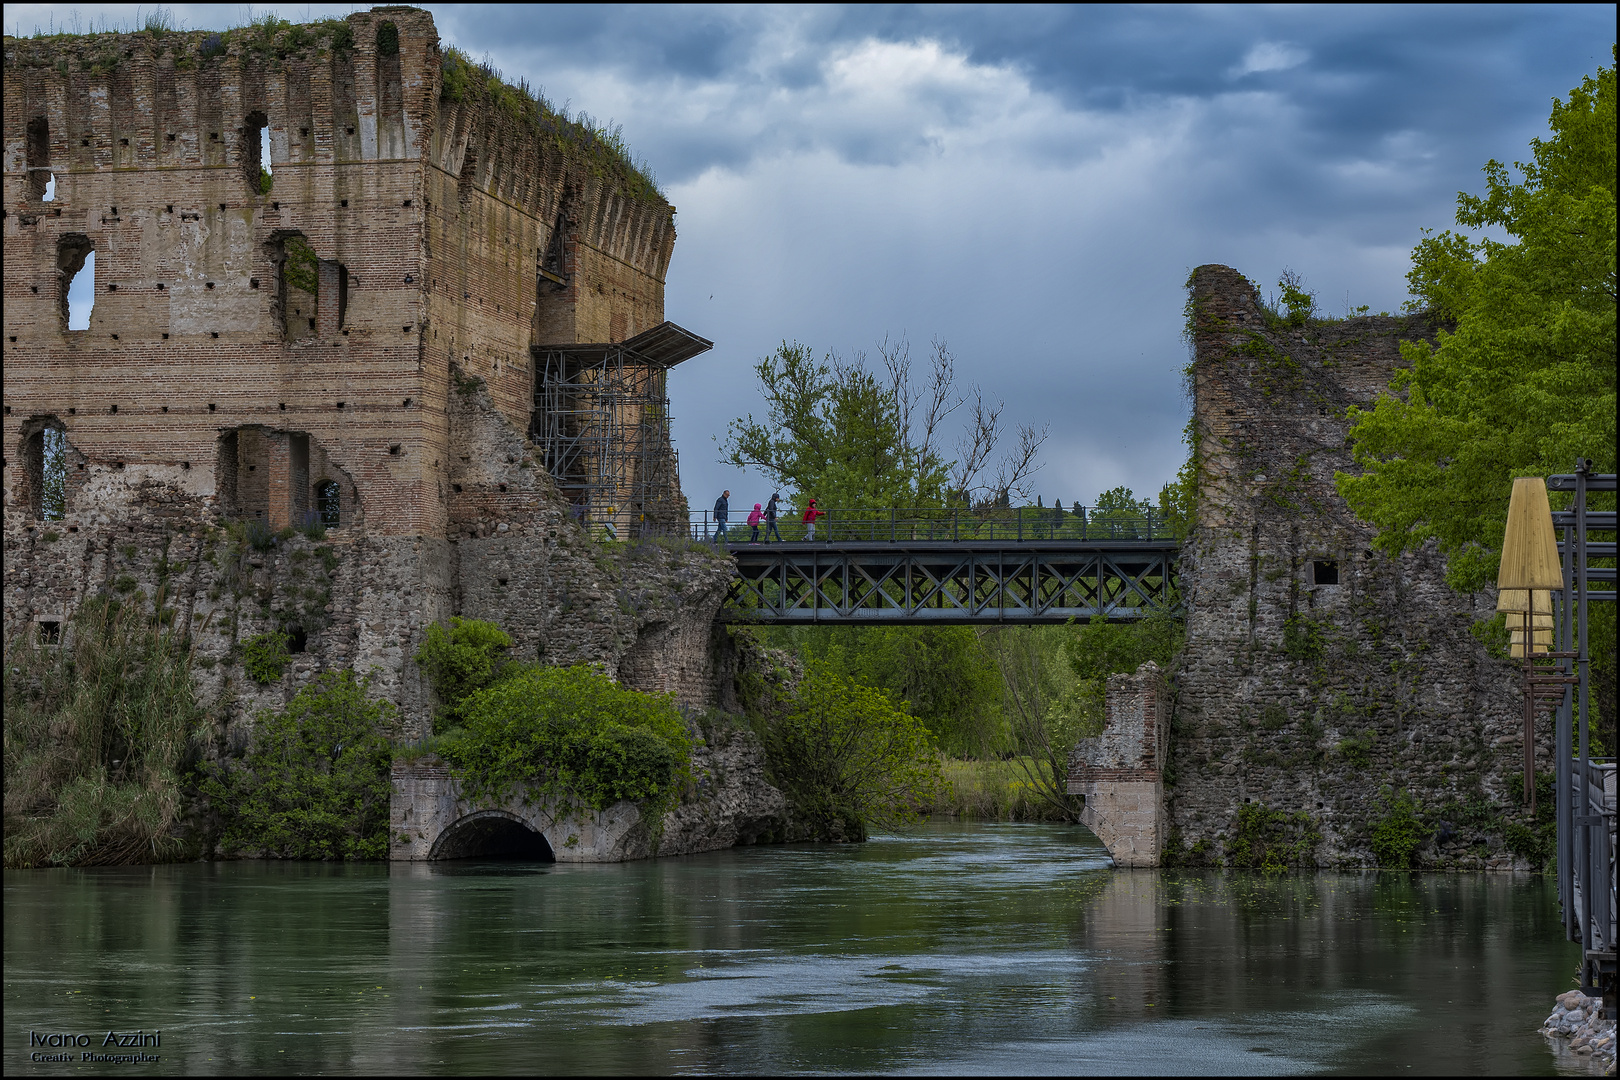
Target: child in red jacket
[[810, 515]]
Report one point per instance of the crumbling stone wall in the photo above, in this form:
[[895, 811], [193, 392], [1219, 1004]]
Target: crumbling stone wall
[[211, 387], [1119, 773], [1318, 672]]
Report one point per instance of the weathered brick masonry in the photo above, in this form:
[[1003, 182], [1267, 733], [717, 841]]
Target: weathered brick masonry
[[211, 386], [1317, 671]]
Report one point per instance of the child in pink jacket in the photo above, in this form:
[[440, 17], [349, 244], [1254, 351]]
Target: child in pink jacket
[[753, 523]]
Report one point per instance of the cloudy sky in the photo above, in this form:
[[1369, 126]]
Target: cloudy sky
[[1031, 185]]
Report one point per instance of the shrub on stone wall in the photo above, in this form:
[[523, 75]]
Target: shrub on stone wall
[[97, 728], [314, 784], [1271, 840], [1397, 835], [265, 656], [569, 733], [848, 759], [460, 660]]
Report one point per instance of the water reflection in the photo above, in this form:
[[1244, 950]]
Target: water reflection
[[958, 949]]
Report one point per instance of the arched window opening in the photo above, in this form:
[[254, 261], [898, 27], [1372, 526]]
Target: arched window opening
[[41, 181], [45, 460], [327, 503], [76, 290], [387, 39]]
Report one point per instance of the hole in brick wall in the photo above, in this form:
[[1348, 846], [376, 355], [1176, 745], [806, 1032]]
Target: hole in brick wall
[[114, 408], [75, 254], [345, 333], [211, 406], [253, 468], [406, 403], [185, 464], [1324, 572], [45, 458], [214, 333], [13, 338], [222, 206], [171, 136], [213, 136], [340, 404], [457, 487], [84, 142], [394, 449], [112, 286], [343, 202], [350, 130], [500, 581], [275, 206], [208, 285], [74, 528], [256, 164], [161, 286], [404, 329], [303, 131], [407, 202], [503, 487], [408, 279], [296, 639], [41, 183], [312, 324], [165, 408], [165, 337], [73, 412], [33, 289], [253, 283], [50, 631], [123, 142], [115, 337], [168, 208], [283, 406]]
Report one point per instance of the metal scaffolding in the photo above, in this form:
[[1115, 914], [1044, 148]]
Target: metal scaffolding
[[601, 420]]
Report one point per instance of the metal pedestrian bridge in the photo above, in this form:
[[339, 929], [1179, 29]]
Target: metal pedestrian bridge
[[945, 567]]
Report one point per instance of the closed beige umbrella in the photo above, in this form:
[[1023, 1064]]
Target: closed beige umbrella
[[1529, 545]]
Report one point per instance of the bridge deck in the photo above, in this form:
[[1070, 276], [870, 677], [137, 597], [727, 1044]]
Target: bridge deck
[[963, 581]]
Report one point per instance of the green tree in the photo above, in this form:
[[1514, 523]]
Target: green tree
[[942, 674], [848, 759], [854, 437], [460, 660], [1525, 382], [314, 785], [1047, 707]]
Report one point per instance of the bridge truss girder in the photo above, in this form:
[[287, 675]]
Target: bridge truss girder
[[943, 583]]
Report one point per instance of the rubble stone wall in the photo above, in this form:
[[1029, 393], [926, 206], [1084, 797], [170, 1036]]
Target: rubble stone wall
[[1318, 674]]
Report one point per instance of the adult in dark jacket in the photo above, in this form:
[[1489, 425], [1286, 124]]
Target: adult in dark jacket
[[722, 510], [770, 517]]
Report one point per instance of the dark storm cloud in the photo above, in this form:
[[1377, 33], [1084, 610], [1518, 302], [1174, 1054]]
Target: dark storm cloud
[[1031, 183]]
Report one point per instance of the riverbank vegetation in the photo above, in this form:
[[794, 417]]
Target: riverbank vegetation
[[314, 781], [100, 725]]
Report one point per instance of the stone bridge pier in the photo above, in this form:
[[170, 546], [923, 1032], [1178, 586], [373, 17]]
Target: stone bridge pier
[[1118, 772]]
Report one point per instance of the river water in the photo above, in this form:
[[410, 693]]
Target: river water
[[954, 949]]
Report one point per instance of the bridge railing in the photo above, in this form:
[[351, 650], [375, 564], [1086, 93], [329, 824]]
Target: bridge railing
[[906, 524]]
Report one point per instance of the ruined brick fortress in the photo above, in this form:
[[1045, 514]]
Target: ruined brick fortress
[[351, 342]]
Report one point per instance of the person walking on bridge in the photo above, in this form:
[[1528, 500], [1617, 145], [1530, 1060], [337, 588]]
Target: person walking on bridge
[[810, 515], [722, 511], [753, 523], [770, 517]]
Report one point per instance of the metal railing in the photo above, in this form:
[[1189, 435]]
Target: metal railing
[[910, 524]]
